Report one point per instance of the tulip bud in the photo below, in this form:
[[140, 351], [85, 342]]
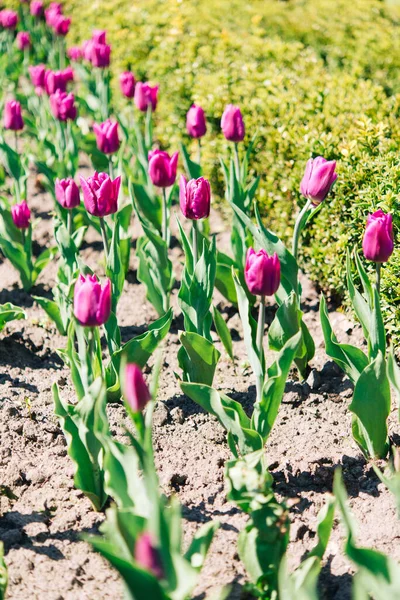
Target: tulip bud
[[196, 121], [378, 237], [55, 80], [68, 74], [12, 116], [99, 36], [107, 136], [162, 168], [194, 197], [63, 106], [67, 193], [146, 96], [232, 124], [92, 301], [52, 13], [127, 84], [318, 179], [100, 194], [61, 25], [21, 215], [100, 55], [262, 272], [148, 556], [8, 19], [136, 391], [37, 8], [75, 53], [23, 40]]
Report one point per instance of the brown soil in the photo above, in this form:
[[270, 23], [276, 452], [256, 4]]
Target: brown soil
[[44, 515]]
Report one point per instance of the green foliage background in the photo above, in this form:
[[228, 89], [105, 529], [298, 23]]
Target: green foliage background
[[312, 77]]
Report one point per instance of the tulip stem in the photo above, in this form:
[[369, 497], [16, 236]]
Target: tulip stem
[[104, 236], [69, 223], [110, 167], [16, 141], [237, 162], [199, 150], [148, 134], [378, 276], [298, 229], [164, 230], [259, 342], [194, 241]]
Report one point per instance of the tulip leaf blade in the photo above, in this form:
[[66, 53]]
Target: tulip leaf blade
[[53, 311], [201, 541], [198, 358], [10, 312], [223, 332], [192, 168]]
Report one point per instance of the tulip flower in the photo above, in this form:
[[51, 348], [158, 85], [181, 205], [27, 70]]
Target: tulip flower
[[37, 75], [147, 555], [92, 301], [162, 168], [262, 272], [146, 96], [136, 392], [52, 13], [100, 55], [63, 106], [61, 25], [232, 124], [75, 53], [8, 19], [107, 136], [194, 200], [55, 80], [68, 74], [378, 239], [23, 40], [318, 179], [99, 36], [37, 8], [127, 83], [12, 116], [87, 50], [67, 193], [196, 122], [100, 194], [21, 215]]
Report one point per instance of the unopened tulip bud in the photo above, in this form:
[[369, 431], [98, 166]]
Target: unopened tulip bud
[[99, 36], [92, 301], [145, 96], [100, 55], [12, 116], [23, 40], [318, 179], [378, 237], [100, 194], [127, 83], [75, 53], [52, 13], [232, 124], [37, 8], [21, 215], [61, 25], [194, 197], [55, 80], [136, 391], [63, 106], [162, 168], [8, 19], [196, 122], [67, 193], [147, 555], [262, 272], [107, 136]]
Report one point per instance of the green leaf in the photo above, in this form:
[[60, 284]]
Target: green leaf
[[223, 277], [16, 255], [146, 204], [198, 358], [3, 574], [114, 268], [193, 169], [200, 544], [223, 331], [9, 312], [53, 311], [393, 373], [42, 261]]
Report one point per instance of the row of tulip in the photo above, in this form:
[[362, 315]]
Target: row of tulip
[[139, 536]]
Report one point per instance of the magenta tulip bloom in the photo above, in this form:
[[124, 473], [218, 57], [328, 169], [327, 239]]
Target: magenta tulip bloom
[[262, 272], [75, 53], [12, 116], [194, 197], [8, 19], [55, 80], [136, 391], [146, 96], [318, 179], [196, 121], [127, 83], [23, 40], [162, 168], [100, 55], [63, 106], [92, 301], [107, 136], [99, 36], [100, 194], [21, 215], [147, 555], [67, 193], [37, 8], [232, 124], [378, 237], [61, 25], [52, 13], [68, 74]]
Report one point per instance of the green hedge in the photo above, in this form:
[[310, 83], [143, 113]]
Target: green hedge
[[312, 77]]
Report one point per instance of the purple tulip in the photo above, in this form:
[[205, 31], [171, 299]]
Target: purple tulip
[[68, 74], [23, 40], [378, 237], [21, 215], [194, 197], [92, 301], [87, 50], [136, 391], [107, 136], [52, 13], [37, 8], [147, 555], [12, 116], [127, 83], [162, 168], [318, 179], [145, 96], [63, 106], [67, 193], [61, 25], [232, 124], [196, 121], [262, 272], [100, 55], [100, 194], [8, 19], [99, 36], [75, 53], [54, 80]]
